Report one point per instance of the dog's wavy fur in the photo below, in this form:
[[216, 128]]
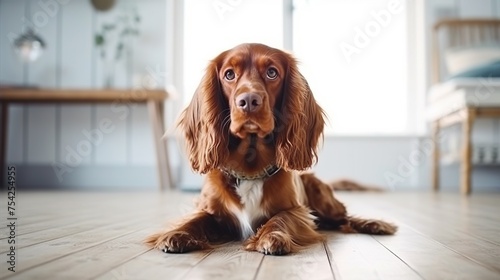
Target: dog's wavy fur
[[234, 144]]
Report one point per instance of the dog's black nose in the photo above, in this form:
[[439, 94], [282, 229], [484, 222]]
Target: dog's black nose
[[249, 102]]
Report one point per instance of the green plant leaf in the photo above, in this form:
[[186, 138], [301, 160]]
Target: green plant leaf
[[99, 40]]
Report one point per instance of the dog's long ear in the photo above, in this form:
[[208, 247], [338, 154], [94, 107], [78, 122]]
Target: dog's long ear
[[300, 122], [203, 123]]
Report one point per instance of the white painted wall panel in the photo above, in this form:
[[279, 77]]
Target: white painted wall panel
[[141, 137], [77, 45], [11, 15], [367, 159], [12, 72], [41, 148], [42, 137], [75, 130], [43, 72], [15, 134], [149, 66], [148, 72], [113, 148], [76, 72], [476, 8], [483, 131]]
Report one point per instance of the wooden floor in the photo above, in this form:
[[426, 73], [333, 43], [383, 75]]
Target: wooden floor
[[72, 235]]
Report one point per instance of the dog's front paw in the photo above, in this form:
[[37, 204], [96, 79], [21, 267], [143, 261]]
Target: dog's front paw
[[176, 242], [272, 243]]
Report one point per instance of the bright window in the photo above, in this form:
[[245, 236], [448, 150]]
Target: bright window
[[352, 52], [211, 27], [354, 56]]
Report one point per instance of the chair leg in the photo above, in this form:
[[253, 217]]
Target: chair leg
[[155, 109], [435, 155], [466, 166]]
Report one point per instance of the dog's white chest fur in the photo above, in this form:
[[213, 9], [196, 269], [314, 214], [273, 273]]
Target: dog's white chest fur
[[250, 192]]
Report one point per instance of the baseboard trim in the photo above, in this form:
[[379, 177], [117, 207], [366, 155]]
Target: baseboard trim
[[90, 177]]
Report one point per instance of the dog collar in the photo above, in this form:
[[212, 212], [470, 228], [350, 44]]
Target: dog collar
[[266, 173]]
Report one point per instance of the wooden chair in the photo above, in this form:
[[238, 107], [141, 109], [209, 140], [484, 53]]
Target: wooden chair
[[460, 33]]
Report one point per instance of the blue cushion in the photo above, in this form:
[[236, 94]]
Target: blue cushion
[[490, 69]]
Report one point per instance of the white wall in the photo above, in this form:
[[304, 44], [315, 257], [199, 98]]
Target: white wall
[[40, 135]]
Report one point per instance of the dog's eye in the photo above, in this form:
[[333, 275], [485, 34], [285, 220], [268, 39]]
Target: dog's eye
[[272, 73], [229, 75]]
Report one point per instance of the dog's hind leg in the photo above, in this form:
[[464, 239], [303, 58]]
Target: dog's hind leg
[[330, 213], [369, 226]]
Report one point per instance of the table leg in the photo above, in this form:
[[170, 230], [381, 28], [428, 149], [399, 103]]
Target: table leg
[[155, 109], [466, 166], [435, 155], [4, 122]]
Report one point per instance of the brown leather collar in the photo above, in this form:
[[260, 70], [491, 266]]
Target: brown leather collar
[[266, 173]]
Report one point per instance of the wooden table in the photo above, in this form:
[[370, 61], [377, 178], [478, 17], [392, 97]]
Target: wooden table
[[153, 98]]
